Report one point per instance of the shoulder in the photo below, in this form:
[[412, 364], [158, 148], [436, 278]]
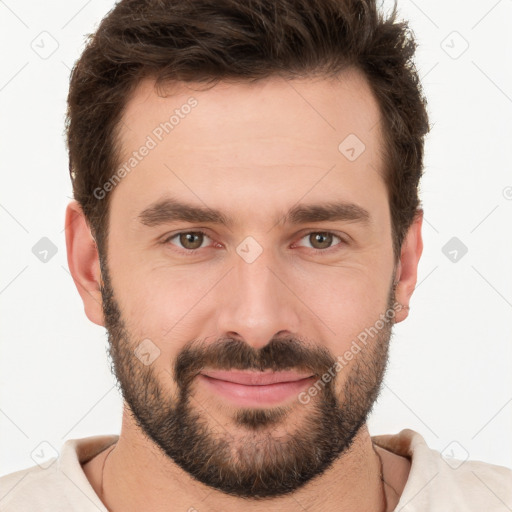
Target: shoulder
[[57, 485], [28, 488], [438, 482]]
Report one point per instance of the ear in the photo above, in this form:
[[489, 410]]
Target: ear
[[407, 269], [84, 262]]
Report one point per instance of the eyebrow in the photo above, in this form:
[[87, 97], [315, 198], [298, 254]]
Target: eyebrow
[[169, 210]]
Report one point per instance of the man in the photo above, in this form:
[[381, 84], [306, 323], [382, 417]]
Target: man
[[247, 228]]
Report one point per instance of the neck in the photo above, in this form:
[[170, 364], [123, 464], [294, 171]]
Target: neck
[[136, 476]]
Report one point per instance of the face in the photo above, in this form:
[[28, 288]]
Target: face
[[246, 238]]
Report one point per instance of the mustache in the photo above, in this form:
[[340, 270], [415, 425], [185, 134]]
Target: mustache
[[280, 354]]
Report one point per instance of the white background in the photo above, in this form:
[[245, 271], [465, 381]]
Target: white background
[[449, 376]]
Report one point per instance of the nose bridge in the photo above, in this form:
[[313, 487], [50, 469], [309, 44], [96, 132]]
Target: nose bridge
[[255, 304]]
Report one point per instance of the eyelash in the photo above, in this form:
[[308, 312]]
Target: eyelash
[[193, 252]]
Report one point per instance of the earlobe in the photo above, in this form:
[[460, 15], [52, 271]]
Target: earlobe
[[407, 268], [83, 262]]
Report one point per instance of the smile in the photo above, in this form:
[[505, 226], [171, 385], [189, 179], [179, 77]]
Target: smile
[[255, 388]]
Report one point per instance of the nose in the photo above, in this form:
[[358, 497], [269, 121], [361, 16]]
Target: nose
[[257, 303]]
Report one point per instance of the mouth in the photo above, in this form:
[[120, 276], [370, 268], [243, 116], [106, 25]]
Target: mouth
[[252, 389]]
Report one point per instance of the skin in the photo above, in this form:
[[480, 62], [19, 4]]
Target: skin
[[252, 151]]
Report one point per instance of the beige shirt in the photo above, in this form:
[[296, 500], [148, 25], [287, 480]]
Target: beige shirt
[[434, 483]]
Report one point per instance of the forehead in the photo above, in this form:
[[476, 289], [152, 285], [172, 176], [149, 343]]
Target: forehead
[[274, 140]]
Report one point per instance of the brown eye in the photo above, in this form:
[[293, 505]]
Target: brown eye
[[321, 240], [189, 240]]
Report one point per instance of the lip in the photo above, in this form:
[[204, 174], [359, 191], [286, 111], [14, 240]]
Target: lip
[[252, 389], [253, 378]]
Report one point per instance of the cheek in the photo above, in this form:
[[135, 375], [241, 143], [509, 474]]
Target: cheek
[[164, 305], [347, 302]]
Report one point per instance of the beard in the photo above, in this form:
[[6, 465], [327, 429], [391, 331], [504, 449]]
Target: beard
[[251, 461]]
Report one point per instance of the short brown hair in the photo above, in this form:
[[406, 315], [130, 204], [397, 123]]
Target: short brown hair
[[213, 40]]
